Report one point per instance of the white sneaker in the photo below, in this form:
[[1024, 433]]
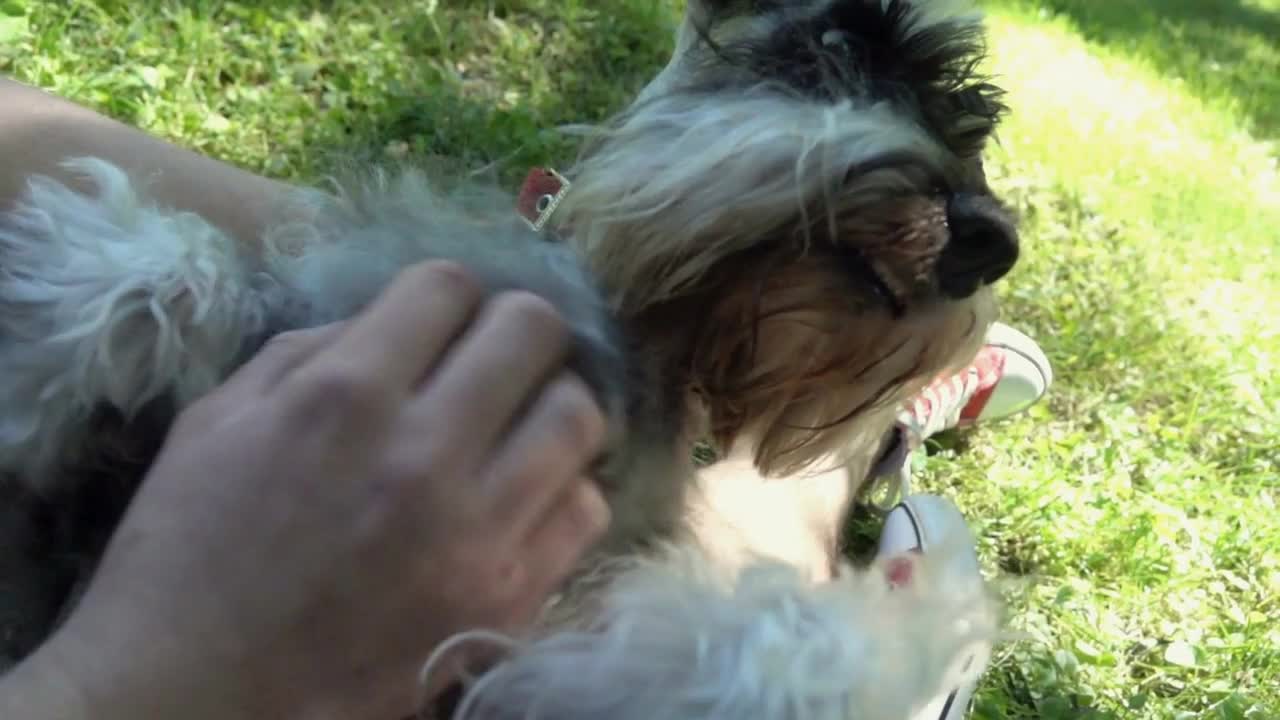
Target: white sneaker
[[913, 527], [1009, 375]]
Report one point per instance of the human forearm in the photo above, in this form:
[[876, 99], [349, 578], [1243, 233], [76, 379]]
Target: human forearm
[[81, 673], [38, 131]]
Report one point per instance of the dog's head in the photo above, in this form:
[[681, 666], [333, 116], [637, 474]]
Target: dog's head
[[794, 215]]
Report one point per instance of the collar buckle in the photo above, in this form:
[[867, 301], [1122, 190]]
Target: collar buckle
[[542, 192]]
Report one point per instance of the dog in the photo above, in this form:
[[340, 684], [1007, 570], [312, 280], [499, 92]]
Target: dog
[[844, 253], [784, 237]]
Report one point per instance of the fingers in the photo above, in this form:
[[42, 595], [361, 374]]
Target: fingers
[[557, 545], [490, 374], [281, 354], [553, 444], [402, 335], [286, 351]]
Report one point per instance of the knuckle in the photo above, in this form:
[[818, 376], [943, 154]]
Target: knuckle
[[420, 470], [340, 387], [538, 316], [578, 418], [341, 383], [401, 474], [291, 346]]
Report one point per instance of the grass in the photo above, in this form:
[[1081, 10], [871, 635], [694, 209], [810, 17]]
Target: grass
[[1133, 516], [1142, 498]]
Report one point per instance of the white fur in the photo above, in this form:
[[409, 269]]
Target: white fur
[[681, 637], [106, 297]]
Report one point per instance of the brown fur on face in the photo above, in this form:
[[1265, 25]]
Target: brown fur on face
[[798, 346]]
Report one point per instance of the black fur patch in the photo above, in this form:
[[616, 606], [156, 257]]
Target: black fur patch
[[874, 50], [50, 544]]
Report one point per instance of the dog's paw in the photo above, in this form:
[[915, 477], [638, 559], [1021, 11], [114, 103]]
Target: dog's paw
[[681, 636], [106, 299]]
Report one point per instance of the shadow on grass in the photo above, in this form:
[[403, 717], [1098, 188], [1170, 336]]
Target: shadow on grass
[[298, 88], [456, 102], [1221, 48]]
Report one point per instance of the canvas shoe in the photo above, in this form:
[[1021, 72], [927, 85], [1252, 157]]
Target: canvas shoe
[[1008, 376], [916, 525]]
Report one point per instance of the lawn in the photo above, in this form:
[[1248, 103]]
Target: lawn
[[1132, 518]]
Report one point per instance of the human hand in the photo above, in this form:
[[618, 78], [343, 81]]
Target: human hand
[[352, 497]]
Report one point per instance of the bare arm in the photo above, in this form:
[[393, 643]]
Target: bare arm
[[38, 131]]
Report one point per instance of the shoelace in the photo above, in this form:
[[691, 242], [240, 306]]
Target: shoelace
[[939, 406]]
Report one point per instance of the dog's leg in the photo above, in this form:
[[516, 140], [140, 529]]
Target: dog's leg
[[106, 300]]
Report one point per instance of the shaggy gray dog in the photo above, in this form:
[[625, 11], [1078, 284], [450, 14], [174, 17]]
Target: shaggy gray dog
[[784, 237]]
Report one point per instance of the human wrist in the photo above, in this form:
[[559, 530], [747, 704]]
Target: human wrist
[[71, 677]]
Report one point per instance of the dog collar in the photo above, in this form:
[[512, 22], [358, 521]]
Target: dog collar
[[542, 192]]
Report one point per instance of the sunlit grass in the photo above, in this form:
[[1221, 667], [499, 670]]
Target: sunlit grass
[[1139, 503]]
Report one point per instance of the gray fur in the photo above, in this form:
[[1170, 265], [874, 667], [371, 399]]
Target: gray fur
[[111, 303]]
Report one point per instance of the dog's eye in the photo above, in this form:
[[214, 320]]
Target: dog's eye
[[870, 277]]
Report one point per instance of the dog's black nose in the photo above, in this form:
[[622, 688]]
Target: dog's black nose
[[981, 249]]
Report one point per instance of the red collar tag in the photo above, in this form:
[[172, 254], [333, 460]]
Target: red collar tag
[[540, 195]]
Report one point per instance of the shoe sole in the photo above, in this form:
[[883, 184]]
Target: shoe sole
[[1009, 338], [1016, 392]]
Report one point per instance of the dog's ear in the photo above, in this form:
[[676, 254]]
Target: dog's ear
[[982, 246]]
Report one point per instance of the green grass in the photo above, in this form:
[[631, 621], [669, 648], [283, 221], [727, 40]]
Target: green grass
[[1133, 516], [1141, 500]]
